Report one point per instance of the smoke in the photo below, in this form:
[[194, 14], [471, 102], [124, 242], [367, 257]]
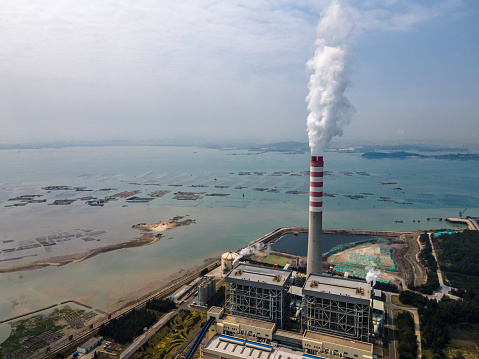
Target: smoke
[[372, 275], [329, 109], [254, 249]]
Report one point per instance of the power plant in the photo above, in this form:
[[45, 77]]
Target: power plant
[[267, 315]]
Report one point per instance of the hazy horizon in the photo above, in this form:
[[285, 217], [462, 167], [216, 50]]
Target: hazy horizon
[[216, 71]]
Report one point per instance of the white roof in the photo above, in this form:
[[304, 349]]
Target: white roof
[[229, 255], [329, 286], [244, 352], [258, 276]]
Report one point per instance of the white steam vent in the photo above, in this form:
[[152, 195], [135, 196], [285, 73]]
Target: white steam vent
[[253, 249], [372, 275]]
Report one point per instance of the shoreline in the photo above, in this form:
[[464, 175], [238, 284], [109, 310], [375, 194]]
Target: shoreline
[[146, 238], [79, 257]]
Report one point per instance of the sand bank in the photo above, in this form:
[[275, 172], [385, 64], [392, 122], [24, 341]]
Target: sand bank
[[146, 238], [164, 225]]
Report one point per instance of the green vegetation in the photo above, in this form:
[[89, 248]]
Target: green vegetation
[[33, 326], [457, 254], [439, 319], [169, 338], [124, 329], [427, 259], [160, 305], [407, 341], [275, 259], [395, 300], [387, 287]]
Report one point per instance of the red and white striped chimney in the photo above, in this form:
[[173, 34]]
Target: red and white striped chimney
[[315, 253]]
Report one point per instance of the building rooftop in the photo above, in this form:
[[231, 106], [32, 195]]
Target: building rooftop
[[257, 276], [215, 310], [180, 292], [350, 290], [90, 342], [245, 352], [320, 337], [233, 319]]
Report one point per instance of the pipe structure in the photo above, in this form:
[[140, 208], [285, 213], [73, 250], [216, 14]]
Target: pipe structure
[[315, 252]]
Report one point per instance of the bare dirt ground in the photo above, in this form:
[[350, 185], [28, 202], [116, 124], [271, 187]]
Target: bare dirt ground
[[405, 256]]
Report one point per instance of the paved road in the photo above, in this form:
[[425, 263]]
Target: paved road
[[392, 328]]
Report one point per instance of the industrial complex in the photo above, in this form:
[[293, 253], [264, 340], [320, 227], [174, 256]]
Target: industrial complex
[[335, 317], [274, 313]]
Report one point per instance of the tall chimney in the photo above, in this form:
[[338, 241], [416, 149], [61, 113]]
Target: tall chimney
[[315, 252]]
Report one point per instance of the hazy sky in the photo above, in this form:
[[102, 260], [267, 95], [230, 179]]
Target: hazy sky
[[158, 69]]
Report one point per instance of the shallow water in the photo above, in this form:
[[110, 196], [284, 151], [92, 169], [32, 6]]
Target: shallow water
[[222, 223], [298, 244]]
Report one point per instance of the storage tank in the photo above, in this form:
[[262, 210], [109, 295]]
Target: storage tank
[[202, 295], [227, 261], [212, 286]]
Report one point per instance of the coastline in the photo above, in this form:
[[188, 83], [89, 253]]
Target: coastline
[[79, 257], [146, 238]]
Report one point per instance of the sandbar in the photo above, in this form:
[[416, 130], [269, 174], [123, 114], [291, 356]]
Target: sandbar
[[146, 238]]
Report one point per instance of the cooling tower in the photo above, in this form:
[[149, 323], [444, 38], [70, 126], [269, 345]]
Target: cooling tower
[[315, 252]]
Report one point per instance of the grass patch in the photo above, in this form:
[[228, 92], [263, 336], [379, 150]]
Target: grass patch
[[463, 343], [395, 300], [275, 259], [170, 337], [398, 311], [427, 354]]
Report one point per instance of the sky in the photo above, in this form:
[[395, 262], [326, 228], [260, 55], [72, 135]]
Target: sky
[[221, 70]]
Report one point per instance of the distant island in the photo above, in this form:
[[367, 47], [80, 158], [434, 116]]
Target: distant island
[[403, 155], [400, 154]]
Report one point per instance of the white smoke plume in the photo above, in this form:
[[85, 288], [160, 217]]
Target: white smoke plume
[[372, 275], [254, 249], [329, 109]]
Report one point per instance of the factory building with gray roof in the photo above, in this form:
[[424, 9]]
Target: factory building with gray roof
[[335, 321]]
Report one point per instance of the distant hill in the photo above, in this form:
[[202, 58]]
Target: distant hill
[[400, 154]]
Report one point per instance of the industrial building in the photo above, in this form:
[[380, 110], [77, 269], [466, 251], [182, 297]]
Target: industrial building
[[337, 315], [234, 337], [334, 317], [206, 290], [337, 306], [258, 293], [89, 345], [228, 261]]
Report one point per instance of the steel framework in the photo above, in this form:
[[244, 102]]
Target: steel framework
[[257, 303], [342, 318]]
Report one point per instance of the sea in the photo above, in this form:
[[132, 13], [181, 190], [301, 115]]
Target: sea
[[256, 201]]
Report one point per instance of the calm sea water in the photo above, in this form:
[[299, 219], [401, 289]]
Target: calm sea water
[[297, 244], [436, 189]]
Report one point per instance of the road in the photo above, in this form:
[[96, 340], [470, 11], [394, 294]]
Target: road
[[142, 339], [389, 306]]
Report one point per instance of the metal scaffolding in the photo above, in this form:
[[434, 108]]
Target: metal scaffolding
[[338, 317], [252, 300]]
